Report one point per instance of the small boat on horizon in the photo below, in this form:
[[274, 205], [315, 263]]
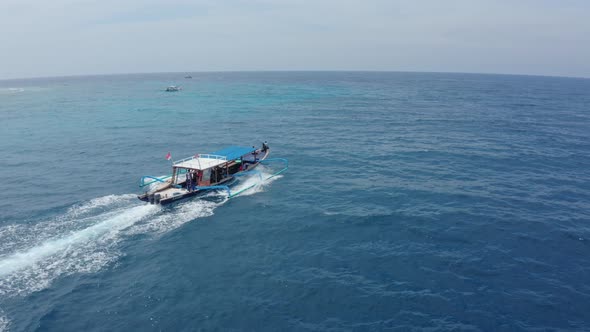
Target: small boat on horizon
[[188, 76], [203, 173], [173, 88]]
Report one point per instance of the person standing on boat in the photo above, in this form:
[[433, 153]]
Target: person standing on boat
[[194, 178], [189, 185], [264, 146], [254, 153]]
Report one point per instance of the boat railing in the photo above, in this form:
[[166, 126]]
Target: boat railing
[[203, 155], [155, 179], [212, 156]]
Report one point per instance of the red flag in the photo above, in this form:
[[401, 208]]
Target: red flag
[[168, 156]]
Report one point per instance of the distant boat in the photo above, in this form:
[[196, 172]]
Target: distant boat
[[173, 88], [188, 76]]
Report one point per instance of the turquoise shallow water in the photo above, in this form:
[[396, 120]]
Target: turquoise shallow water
[[413, 201]]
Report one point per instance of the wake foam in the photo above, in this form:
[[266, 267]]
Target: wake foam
[[180, 214], [3, 322], [10, 91], [110, 201], [85, 250], [86, 237]]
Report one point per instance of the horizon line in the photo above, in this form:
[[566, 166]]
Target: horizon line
[[288, 71]]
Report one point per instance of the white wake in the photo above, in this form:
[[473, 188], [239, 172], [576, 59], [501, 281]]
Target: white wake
[[3, 323], [87, 237]]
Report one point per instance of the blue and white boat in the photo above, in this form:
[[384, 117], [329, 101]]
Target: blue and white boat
[[203, 173]]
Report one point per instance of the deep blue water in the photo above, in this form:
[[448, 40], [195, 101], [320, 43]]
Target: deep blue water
[[437, 202]]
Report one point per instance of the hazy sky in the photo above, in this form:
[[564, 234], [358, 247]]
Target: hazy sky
[[69, 37]]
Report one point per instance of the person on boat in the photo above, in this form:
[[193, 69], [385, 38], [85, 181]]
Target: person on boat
[[194, 178], [254, 153], [264, 146], [243, 165], [189, 185]]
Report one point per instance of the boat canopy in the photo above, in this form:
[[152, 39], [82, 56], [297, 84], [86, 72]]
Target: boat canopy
[[206, 161], [233, 152], [202, 162]]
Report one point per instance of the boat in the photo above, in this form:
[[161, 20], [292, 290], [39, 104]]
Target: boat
[[188, 76], [173, 88], [203, 173]]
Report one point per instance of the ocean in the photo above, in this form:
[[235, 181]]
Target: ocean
[[413, 202]]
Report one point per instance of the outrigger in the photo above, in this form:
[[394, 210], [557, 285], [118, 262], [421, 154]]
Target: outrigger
[[202, 173]]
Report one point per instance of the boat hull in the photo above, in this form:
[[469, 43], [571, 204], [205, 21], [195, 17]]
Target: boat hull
[[185, 195]]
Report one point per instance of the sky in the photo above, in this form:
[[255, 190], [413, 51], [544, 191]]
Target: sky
[[85, 37]]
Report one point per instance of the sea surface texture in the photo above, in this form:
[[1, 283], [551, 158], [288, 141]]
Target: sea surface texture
[[413, 202]]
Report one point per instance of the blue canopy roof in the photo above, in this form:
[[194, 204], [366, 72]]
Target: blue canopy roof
[[233, 152]]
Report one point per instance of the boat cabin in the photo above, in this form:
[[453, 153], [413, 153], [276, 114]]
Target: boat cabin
[[204, 170]]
